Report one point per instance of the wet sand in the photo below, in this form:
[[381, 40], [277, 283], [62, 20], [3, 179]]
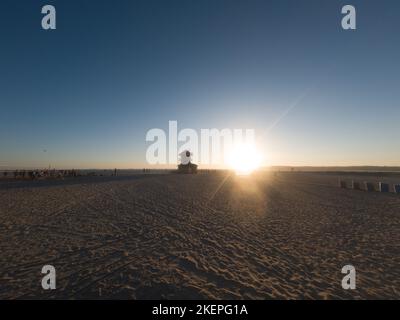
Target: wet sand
[[198, 236]]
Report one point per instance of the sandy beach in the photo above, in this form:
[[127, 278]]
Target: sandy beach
[[212, 236]]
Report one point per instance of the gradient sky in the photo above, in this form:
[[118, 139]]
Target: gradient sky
[[88, 92]]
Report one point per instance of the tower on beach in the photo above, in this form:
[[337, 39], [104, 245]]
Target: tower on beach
[[186, 166]]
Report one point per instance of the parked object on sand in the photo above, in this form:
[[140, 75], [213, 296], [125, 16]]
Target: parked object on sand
[[369, 186], [383, 187], [356, 185], [342, 184]]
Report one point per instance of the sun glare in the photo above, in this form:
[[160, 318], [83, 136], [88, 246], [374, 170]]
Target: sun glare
[[244, 159]]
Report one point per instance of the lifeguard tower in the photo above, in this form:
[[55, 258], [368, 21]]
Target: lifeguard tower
[[186, 166]]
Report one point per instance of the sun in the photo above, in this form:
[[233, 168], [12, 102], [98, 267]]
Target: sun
[[244, 158]]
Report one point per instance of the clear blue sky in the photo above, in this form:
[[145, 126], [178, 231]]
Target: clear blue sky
[[89, 91]]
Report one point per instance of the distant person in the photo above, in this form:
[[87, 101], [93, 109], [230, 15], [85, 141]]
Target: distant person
[[115, 172]]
